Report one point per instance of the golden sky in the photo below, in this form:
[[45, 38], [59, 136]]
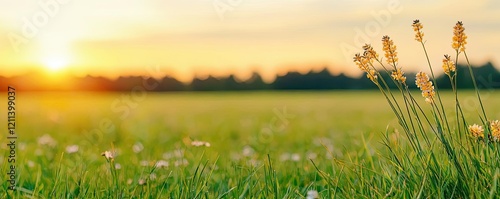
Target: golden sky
[[199, 37]]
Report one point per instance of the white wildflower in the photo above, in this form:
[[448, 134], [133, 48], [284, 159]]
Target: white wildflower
[[108, 155], [137, 147], [200, 143], [295, 157], [248, 151], [47, 140], [72, 149], [312, 194], [142, 182], [161, 164], [31, 164]]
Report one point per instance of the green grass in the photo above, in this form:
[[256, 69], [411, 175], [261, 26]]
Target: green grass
[[331, 142]]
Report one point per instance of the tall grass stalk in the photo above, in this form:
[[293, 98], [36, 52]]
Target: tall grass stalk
[[420, 165]]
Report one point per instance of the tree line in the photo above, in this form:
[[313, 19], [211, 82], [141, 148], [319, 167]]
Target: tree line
[[487, 76]]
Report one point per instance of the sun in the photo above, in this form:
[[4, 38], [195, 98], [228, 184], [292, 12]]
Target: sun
[[55, 64]]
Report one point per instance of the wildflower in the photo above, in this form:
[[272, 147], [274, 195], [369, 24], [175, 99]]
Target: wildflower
[[448, 65], [248, 151], [129, 181], [312, 194], [398, 75], [495, 130], [476, 131], [422, 81], [31, 164], [369, 53], [459, 37], [108, 155], [118, 166], [295, 157], [47, 140], [362, 62], [390, 50], [200, 143], [142, 182], [72, 149], [137, 147], [161, 164], [417, 27], [371, 74]]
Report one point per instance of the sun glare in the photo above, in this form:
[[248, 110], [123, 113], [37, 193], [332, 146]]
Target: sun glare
[[55, 64]]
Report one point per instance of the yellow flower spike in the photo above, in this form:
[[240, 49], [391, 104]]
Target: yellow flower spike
[[369, 53], [495, 130], [459, 37], [363, 64], [389, 48], [448, 65], [422, 81], [372, 75], [398, 75], [476, 131], [417, 27]]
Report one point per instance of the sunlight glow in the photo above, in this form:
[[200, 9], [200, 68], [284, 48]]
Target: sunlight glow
[[55, 64]]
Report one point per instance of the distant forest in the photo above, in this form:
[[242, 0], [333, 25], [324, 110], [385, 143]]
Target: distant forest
[[486, 75]]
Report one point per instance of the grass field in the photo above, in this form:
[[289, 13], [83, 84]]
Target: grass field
[[262, 145]]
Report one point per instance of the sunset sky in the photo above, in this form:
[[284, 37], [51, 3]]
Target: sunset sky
[[199, 37]]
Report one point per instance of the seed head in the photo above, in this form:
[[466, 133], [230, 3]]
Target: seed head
[[459, 37], [398, 75], [448, 65], [369, 53], [363, 65], [476, 131], [390, 50], [417, 27], [108, 155], [495, 130], [422, 81]]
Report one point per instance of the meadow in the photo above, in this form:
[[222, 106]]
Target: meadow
[[214, 145]]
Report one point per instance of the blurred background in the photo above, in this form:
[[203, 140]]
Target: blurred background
[[229, 44]]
